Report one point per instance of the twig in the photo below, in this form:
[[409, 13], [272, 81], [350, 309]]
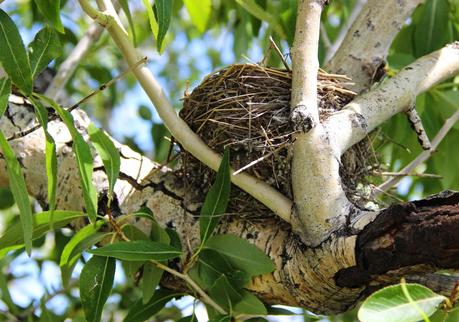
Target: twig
[[449, 123], [416, 124], [68, 67], [279, 53], [190, 141], [398, 174], [81, 101]]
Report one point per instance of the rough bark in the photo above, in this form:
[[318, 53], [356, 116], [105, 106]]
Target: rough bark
[[316, 278]]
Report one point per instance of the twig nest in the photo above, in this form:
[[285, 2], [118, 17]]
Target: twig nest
[[246, 108]]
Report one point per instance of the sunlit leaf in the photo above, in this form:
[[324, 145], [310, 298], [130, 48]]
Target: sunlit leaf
[[19, 190], [199, 11], [390, 304], [13, 55], [43, 49], [96, 282], [125, 7], [108, 153]]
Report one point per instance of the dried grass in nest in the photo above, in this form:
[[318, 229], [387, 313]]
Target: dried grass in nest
[[246, 107]]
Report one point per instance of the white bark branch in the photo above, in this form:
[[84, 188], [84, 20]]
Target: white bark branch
[[260, 190], [395, 95], [367, 42], [320, 202]]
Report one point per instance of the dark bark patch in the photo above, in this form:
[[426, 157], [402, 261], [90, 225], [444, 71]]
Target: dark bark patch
[[418, 232]]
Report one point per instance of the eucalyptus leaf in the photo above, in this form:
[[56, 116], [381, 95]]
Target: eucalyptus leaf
[[138, 250], [13, 55], [390, 304], [96, 282], [19, 190]]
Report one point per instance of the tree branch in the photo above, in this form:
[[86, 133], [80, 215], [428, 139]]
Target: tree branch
[[320, 202], [261, 191], [395, 95], [367, 42]]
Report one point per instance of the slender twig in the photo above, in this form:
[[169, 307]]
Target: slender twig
[[279, 53], [68, 67], [449, 123], [416, 124], [81, 101], [398, 174], [190, 141]]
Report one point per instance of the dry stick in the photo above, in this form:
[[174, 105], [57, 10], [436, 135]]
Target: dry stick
[[67, 68], [81, 101], [398, 174], [279, 53], [416, 124], [191, 142], [449, 123]]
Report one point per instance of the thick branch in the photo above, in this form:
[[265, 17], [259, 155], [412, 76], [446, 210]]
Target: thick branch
[[320, 202], [303, 277], [261, 191], [395, 95], [365, 47]]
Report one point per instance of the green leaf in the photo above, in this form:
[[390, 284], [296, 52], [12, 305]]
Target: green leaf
[[83, 158], [151, 18], [19, 190], [96, 282], [216, 200], [50, 153], [250, 304], [199, 11], [140, 312], [51, 11], [432, 31], [150, 280], [241, 254], [445, 316], [164, 14], [220, 318], [109, 155], [43, 49], [13, 235], [125, 7], [5, 91], [254, 9], [81, 235], [138, 250], [390, 304], [13, 55], [190, 318], [75, 254], [224, 294]]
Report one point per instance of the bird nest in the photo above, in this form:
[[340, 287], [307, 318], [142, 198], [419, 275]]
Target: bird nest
[[246, 108]]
